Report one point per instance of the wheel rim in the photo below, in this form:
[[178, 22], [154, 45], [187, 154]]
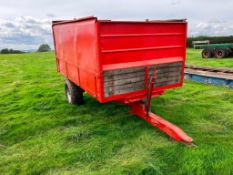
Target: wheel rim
[[68, 95], [220, 53], [206, 54]]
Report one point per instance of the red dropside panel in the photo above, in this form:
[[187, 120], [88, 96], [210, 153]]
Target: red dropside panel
[[77, 52]]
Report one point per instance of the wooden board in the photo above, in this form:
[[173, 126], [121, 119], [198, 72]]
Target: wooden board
[[113, 90], [119, 82], [123, 81], [227, 76], [167, 74], [124, 71], [123, 76], [209, 69]]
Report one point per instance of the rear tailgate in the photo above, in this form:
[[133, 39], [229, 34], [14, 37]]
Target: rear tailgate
[[131, 51]]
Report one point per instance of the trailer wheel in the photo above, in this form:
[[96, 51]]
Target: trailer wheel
[[227, 53], [206, 53], [74, 94], [230, 52], [219, 53]]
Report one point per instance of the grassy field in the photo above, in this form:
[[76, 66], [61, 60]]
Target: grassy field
[[194, 58], [41, 134]]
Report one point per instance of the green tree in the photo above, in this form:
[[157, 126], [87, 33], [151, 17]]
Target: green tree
[[44, 48], [10, 51], [4, 51]]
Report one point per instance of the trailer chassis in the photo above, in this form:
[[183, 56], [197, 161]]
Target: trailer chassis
[[143, 110]]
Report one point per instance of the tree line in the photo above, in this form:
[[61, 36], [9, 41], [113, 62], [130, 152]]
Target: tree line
[[42, 48], [10, 51]]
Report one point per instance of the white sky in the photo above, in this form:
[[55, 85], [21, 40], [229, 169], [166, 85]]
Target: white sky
[[25, 24]]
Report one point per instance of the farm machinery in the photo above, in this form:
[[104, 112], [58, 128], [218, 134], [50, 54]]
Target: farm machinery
[[217, 50], [129, 62]]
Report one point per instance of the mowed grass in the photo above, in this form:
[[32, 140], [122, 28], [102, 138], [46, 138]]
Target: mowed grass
[[194, 58], [41, 134]]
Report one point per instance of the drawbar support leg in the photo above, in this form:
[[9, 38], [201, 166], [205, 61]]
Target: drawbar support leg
[[138, 108]]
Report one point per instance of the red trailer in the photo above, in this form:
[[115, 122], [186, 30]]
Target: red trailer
[[125, 61]]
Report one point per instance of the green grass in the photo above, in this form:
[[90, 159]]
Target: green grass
[[194, 58], [41, 134]]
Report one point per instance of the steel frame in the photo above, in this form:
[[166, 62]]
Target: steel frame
[[138, 108]]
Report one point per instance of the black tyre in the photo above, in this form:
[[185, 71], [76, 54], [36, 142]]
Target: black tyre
[[206, 53], [230, 52], [220, 53], [74, 94], [227, 53]]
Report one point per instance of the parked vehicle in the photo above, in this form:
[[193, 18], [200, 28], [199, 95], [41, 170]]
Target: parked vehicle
[[129, 62], [217, 50]]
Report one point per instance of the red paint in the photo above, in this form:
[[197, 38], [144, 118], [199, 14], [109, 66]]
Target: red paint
[[87, 47], [167, 127]]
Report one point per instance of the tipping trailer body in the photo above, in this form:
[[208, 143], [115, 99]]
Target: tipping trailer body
[[124, 61], [112, 60]]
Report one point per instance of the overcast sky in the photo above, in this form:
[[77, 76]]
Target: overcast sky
[[25, 24]]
